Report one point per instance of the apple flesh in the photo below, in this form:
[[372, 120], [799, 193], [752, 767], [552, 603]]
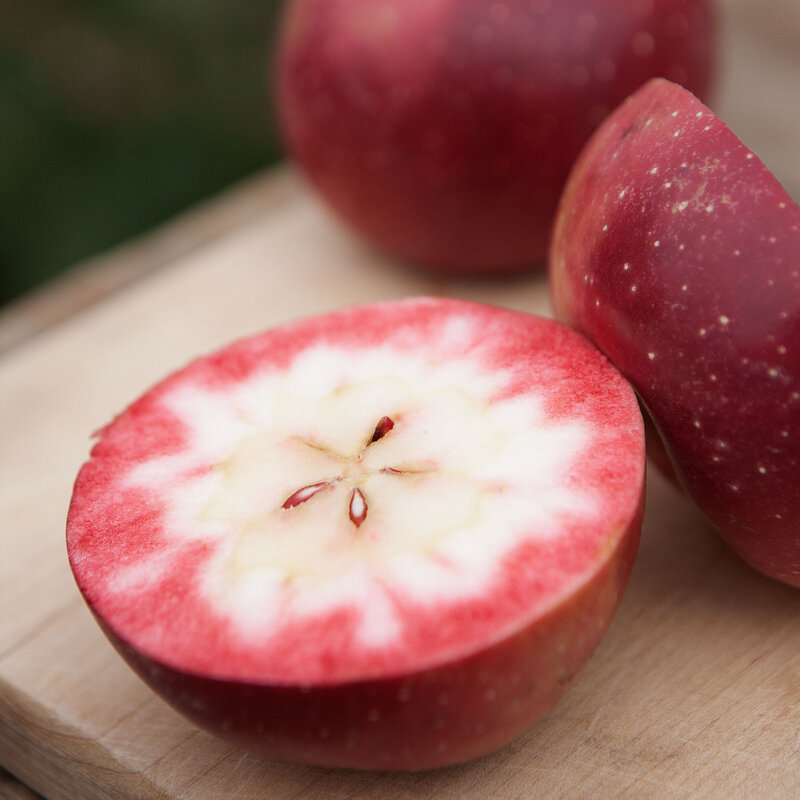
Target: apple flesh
[[444, 130], [388, 537], [678, 253]]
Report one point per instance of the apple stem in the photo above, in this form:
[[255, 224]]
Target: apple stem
[[358, 507]]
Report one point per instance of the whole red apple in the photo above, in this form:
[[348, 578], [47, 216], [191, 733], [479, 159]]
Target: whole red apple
[[444, 130], [678, 253], [388, 537]]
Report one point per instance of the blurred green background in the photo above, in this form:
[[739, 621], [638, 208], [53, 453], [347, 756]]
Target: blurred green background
[[117, 114]]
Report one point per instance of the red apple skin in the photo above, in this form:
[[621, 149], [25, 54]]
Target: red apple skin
[[440, 716], [443, 130], [678, 253]]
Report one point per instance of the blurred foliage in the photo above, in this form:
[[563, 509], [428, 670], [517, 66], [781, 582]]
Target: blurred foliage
[[116, 114]]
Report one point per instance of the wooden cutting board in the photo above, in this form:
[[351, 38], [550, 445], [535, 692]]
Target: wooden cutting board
[[694, 693]]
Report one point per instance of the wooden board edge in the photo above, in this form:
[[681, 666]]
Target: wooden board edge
[[12, 789], [58, 761]]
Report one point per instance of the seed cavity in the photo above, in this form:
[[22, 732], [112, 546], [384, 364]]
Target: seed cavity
[[383, 427], [358, 507], [307, 492]]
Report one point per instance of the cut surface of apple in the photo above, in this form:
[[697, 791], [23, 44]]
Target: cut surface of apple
[[678, 253], [385, 537]]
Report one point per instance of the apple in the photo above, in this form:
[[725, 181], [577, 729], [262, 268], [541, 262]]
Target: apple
[[678, 253], [387, 537], [443, 130]]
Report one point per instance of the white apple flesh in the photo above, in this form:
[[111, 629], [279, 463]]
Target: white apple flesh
[[678, 253], [388, 537]]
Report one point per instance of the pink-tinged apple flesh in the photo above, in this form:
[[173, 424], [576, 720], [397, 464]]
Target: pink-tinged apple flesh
[[388, 537], [444, 130], [678, 253]]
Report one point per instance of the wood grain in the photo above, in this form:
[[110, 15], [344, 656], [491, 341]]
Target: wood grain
[[694, 693]]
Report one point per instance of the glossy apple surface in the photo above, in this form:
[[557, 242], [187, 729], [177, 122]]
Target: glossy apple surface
[[678, 253], [388, 537], [444, 130]]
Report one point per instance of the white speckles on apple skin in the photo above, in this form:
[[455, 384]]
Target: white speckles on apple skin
[[718, 301]]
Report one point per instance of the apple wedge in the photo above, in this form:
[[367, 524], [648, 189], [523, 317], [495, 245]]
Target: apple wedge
[[387, 537], [678, 253]]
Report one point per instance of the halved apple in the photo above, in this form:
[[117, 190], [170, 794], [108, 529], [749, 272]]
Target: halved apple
[[388, 537]]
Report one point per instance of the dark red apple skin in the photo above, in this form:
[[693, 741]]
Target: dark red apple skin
[[443, 131], [440, 716], [678, 253]]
